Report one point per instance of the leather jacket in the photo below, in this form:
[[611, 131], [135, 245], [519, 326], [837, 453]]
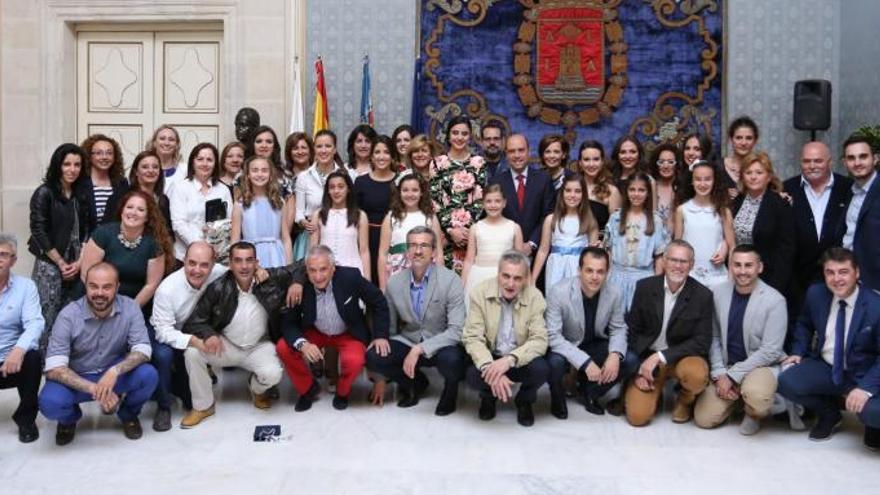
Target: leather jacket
[[218, 304], [52, 218]]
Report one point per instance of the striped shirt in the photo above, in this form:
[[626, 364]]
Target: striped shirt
[[327, 319], [101, 195]]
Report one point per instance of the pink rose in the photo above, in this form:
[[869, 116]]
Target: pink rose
[[436, 206], [477, 194], [462, 181], [441, 162], [460, 218], [477, 162]]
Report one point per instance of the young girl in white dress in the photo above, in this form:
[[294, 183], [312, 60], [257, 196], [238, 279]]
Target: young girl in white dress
[[410, 207], [341, 225], [569, 229], [260, 216], [706, 223], [488, 239]]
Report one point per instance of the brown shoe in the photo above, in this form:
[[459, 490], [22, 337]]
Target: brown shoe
[[262, 401], [682, 412], [132, 429], [195, 417]]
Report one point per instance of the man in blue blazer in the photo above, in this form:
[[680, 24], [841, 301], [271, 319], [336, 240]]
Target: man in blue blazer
[[863, 214], [845, 318], [330, 315], [529, 192]]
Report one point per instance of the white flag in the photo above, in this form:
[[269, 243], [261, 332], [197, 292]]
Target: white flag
[[297, 117]]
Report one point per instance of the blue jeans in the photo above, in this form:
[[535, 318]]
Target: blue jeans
[[809, 384], [172, 373], [61, 403], [598, 351]]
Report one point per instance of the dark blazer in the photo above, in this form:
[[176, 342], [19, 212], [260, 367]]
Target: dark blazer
[[349, 289], [808, 248], [689, 332], [773, 236], [866, 243], [86, 190], [862, 338], [218, 304], [539, 202]]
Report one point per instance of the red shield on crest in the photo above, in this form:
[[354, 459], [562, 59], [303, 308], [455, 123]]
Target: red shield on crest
[[571, 54]]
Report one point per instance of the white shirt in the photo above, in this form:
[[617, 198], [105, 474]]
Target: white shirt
[[310, 191], [179, 175], [669, 299], [855, 207], [818, 202], [173, 302], [187, 205], [250, 323], [831, 325]]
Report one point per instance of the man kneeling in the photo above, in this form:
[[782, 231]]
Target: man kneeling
[[506, 338], [99, 350]]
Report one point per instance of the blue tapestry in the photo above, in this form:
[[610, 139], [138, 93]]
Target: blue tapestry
[[596, 69]]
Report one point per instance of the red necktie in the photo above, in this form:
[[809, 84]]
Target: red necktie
[[521, 191]]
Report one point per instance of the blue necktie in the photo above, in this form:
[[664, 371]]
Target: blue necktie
[[839, 345]]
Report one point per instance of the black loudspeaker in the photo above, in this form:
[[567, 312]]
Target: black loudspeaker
[[812, 105]]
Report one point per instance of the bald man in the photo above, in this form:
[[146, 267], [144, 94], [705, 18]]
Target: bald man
[[819, 200], [529, 192]]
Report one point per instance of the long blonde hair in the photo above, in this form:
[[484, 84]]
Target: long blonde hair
[[273, 190]]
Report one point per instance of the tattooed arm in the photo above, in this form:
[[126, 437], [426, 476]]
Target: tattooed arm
[[132, 360], [69, 378]]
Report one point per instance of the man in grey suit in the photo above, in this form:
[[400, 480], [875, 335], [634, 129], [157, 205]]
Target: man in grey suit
[[586, 331], [749, 329], [426, 304]]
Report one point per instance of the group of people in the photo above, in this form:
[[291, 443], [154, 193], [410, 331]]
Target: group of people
[[605, 279]]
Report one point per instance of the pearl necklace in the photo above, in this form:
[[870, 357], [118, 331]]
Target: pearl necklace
[[129, 244]]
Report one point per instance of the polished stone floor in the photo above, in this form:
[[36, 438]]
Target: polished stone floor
[[392, 450]]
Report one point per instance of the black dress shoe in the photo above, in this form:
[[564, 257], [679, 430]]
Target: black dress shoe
[[592, 406], [304, 403], [558, 406], [132, 429], [872, 439], [408, 399], [64, 434], [487, 408], [28, 433], [825, 427], [447, 403], [340, 403], [524, 415], [273, 393], [162, 420], [615, 407]]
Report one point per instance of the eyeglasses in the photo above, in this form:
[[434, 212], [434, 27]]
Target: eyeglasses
[[677, 261], [415, 246], [666, 162]]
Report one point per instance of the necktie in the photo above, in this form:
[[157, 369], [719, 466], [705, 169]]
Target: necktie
[[521, 190], [839, 345]]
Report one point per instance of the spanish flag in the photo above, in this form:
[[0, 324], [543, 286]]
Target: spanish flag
[[322, 114]]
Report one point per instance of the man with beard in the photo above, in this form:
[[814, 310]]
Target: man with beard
[[492, 144], [670, 329], [99, 350]]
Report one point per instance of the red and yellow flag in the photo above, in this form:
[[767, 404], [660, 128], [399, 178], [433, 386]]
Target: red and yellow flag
[[322, 114]]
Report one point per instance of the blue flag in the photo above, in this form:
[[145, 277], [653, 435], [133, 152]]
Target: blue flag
[[366, 96]]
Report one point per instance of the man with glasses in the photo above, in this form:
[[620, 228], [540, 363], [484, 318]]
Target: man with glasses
[[670, 329], [492, 144], [426, 305], [21, 324]]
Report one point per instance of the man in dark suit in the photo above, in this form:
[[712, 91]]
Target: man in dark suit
[[670, 329], [492, 149], [330, 316], [845, 318], [863, 214], [819, 200], [529, 192]]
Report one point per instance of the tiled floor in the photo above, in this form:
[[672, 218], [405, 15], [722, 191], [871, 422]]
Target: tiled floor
[[391, 450]]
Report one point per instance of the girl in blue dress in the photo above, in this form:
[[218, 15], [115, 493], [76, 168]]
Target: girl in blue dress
[[260, 216]]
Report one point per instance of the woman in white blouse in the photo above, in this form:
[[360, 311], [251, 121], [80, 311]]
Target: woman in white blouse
[[166, 143], [310, 183], [188, 198]]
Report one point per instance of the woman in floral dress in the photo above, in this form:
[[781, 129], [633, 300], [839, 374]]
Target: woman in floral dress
[[457, 192]]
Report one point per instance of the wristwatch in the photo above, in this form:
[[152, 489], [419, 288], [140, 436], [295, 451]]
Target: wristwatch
[[298, 345]]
